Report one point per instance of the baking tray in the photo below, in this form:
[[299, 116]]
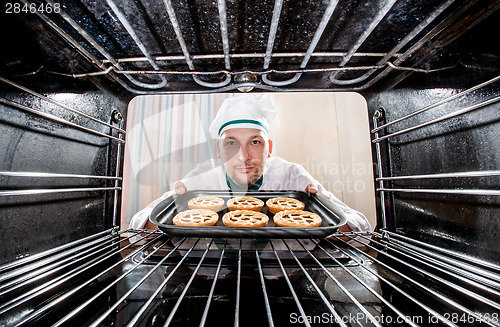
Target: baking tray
[[332, 216]]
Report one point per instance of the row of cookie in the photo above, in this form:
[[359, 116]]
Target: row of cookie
[[247, 218], [274, 205]]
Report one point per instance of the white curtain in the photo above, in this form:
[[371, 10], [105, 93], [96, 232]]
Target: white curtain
[[167, 137]]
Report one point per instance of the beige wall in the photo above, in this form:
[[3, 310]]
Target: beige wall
[[328, 133]]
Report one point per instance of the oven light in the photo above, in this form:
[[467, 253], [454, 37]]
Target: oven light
[[245, 78]]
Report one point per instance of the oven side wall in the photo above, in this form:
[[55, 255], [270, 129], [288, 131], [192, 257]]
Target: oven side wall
[[465, 143], [31, 143]]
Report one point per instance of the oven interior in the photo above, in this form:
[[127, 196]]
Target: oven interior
[[429, 73]]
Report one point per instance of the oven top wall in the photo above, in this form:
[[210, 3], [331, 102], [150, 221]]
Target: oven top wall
[[153, 47]]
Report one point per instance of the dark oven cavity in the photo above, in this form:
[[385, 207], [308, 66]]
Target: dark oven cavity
[[430, 75]]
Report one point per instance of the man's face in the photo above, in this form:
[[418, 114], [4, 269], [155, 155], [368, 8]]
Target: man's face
[[244, 152]]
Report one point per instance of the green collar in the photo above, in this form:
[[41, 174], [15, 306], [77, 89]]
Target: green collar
[[254, 187]]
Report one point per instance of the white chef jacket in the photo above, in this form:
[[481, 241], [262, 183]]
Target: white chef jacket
[[279, 174]]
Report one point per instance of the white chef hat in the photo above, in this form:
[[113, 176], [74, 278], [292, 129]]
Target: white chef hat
[[246, 111]]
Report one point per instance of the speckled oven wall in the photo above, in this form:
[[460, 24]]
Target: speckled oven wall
[[465, 143], [30, 143]]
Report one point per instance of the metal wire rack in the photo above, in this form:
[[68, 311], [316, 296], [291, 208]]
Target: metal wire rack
[[349, 279]]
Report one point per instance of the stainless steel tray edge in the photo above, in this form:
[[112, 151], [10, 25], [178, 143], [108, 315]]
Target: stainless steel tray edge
[[333, 217]]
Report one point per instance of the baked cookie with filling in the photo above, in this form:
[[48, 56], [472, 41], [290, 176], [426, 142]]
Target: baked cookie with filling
[[275, 205], [245, 218], [296, 218], [196, 217], [206, 202], [245, 203]]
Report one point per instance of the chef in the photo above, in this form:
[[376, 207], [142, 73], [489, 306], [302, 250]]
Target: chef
[[241, 128]]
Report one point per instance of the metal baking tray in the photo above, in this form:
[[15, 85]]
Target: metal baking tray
[[332, 216]]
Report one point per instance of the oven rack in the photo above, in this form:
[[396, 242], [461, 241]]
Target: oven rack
[[230, 79], [381, 279]]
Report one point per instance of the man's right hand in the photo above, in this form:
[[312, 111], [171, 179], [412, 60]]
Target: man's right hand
[[180, 188]]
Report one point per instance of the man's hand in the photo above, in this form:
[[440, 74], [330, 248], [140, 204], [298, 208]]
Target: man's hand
[[344, 228], [180, 188], [311, 188]]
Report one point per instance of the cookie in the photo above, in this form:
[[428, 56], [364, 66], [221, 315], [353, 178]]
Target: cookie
[[275, 205], [296, 218], [245, 218], [245, 203], [196, 217], [206, 202]]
